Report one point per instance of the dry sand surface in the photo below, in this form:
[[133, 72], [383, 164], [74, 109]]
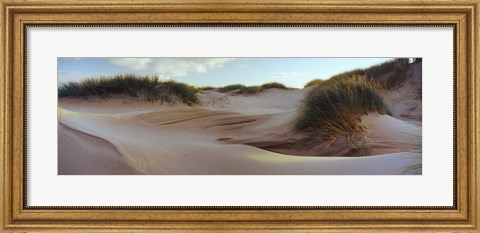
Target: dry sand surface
[[226, 134], [406, 100]]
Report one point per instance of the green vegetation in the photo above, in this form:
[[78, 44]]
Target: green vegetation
[[242, 89], [149, 88], [142, 87], [334, 110], [231, 88], [314, 82], [387, 75], [249, 90], [272, 85], [206, 88]]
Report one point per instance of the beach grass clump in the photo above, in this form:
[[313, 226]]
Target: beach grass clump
[[231, 88], [314, 82], [335, 109], [148, 88], [270, 85], [388, 74], [206, 88], [242, 89], [250, 90], [176, 91]]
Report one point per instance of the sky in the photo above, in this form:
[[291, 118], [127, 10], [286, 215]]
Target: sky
[[293, 72]]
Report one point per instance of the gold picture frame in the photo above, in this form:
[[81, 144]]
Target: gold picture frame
[[464, 15]]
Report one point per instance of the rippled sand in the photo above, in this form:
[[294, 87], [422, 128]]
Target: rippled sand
[[227, 134]]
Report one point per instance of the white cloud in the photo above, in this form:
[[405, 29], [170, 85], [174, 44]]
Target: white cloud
[[282, 75], [132, 63], [171, 67], [241, 66]]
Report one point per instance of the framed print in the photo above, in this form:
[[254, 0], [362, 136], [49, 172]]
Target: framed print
[[270, 128], [239, 116]]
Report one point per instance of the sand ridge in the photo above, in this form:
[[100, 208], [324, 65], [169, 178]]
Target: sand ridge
[[229, 134]]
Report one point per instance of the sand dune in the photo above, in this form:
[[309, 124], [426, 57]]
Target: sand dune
[[83, 154], [406, 100], [228, 134]]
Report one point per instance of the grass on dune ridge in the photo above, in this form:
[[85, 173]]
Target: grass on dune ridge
[[231, 88], [242, 89], [148, 88], [314, 82], [334, 109], [387, 75], [206, 88], [270, 85]]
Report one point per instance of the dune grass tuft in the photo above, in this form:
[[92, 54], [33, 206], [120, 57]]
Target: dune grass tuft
[[388, 74], [335, 109], [148, 88], [270, 85], [249, 90], [231, 88], [314, 82], [206, 88], [242, 89]]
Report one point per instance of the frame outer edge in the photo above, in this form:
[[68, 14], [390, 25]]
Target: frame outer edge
[[250, 2], [6, 117], [472, 102], [476, 129], [17, 110], [2, 113]]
